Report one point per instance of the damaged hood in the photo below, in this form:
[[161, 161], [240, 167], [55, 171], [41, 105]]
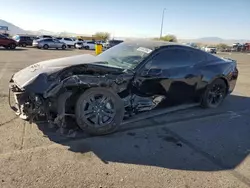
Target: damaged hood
[[28, 74]]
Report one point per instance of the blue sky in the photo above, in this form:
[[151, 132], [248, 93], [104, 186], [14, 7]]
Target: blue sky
[[229, 19]]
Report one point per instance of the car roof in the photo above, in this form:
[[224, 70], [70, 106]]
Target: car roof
[[152, 44]]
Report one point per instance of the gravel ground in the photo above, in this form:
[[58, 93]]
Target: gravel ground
[[190, 148]]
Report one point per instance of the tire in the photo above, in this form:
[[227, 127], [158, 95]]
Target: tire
[[24, 45], [12, 46], [87, 47], [115, 114], [46, 46], [213, 93], [63, 47]]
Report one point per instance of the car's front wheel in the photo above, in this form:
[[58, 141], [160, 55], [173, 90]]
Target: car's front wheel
[[99, 111], [12, 46], [214, 94]]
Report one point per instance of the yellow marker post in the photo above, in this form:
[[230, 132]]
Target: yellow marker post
[[98, 49]]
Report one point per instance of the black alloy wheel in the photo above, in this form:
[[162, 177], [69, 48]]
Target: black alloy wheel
[[215, 94], [99, 111]]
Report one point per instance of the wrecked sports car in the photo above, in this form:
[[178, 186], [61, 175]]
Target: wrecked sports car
[[130, 78]]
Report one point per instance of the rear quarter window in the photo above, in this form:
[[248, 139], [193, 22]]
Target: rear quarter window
[[198, 56], [211, 57]]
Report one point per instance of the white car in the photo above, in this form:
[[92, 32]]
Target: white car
[[68, 41], [89, 45], [79, 45], [210, 49]]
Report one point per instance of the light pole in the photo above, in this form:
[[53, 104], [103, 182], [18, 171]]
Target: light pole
[[162, 21]]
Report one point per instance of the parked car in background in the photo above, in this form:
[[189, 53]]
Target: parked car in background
[[49, 43], [45, 36], [111, 43], [70, 42], [23, 40], [79, 45], [101, 42], [211, 49], [7, 43], [89, 45]]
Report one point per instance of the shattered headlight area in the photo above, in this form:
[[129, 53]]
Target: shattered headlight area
[[26, 105]]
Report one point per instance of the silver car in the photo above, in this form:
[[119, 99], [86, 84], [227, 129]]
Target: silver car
[[49, 43]]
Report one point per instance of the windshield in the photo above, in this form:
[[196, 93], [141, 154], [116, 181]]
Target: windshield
[[125, 55]]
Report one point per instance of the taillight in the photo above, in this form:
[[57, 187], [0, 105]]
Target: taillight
[[235, 72]]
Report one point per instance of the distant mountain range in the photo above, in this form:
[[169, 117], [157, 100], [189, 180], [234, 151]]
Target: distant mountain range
[[13, 29], [214, 40]]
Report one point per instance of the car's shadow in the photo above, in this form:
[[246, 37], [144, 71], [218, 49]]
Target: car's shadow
[[212, 144]]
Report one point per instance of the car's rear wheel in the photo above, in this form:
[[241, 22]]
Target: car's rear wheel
[[12, 46], [46, 46], [63, 47], [99, 111], [214, 94], [24, 45], [87, 47]]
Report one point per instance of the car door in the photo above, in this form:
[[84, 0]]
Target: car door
[[51, 43], [3, 40], [171, 72], [57, 43]]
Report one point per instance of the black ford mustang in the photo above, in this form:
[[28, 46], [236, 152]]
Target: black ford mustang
[[132, 77]]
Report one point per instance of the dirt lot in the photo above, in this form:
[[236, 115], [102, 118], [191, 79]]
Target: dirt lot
[[191, 148]]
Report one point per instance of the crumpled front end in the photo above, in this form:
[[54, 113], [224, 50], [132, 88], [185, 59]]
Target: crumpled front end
[[26, 105]]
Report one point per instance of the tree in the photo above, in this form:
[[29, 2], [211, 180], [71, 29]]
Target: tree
[[169, 38], [222, 46], [102, 35]]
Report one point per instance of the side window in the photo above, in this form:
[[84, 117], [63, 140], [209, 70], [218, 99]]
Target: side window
[[48, 40], [67, 39], [2, 37], [197, 56], [170, 58]]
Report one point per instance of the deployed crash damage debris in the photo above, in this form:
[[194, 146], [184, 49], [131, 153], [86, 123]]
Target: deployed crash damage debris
[[98, 92]]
